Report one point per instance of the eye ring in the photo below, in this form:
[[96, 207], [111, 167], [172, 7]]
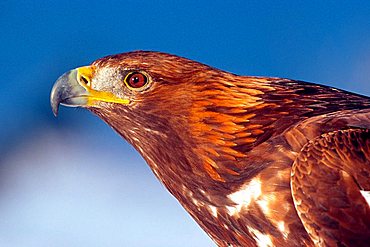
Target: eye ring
[[136, 80]]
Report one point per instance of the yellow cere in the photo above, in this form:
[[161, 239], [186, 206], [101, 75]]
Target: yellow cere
[[86, 72]]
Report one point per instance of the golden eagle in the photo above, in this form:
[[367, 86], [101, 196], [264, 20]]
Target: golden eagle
[[254, 160]]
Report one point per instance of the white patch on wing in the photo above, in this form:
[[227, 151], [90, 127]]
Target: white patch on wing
[[262, 240], [245, 195], [281, 227], [195, 202], [263, 203], [213, 210], [232, 210], [366, 195]]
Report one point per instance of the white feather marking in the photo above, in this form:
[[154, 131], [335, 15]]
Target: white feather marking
[[195, 202], [366, 195], [213, 210], [281, 227], [245, 195], [263, 203], [232, 210], [262, 240], [140, 149], [156, 132], [132, 131]]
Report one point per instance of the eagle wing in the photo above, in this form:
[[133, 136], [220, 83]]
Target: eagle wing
[[330, 181]]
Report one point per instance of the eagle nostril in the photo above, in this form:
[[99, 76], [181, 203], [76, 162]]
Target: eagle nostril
[[84, 80]]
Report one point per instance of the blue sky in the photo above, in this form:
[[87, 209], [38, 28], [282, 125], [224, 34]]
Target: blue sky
[[72, 181]]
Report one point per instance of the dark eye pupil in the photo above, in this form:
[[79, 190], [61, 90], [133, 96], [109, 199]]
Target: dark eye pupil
[[137, 80]]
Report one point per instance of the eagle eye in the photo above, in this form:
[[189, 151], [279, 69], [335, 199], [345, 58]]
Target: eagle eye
[[136, 80]]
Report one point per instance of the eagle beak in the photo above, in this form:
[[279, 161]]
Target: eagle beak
[[73, 89], [69, 90]]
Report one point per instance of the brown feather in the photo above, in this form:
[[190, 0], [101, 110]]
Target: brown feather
[[327, 178], [224, 146]]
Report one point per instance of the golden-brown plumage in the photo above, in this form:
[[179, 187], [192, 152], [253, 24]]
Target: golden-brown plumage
[[255, 160], [327, 177]]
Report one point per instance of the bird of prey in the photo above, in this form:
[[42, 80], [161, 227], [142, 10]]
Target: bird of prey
[[256, 161]]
